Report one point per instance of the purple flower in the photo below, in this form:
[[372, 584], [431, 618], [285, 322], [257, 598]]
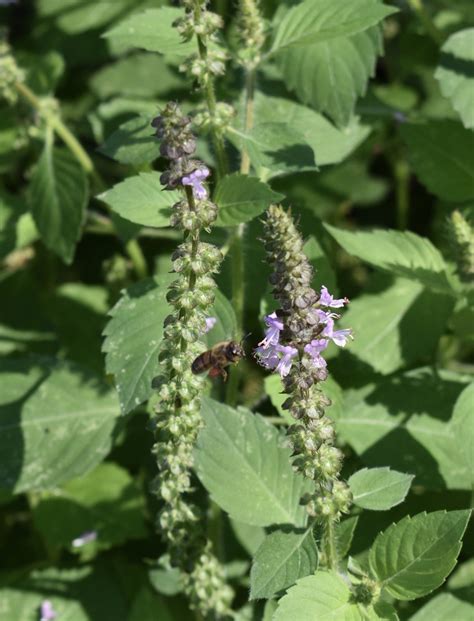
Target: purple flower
[[47, 611], [268, 356], [195, 180], [7, 2], [87, 537], [327, 299], [314, 349], [285, 363], [399, 117], [210, 323], [339, 337], [275, 326]]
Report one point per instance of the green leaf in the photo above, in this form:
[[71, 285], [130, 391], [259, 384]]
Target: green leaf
[[133, 339], [275, 149], [58, 198], [72, 593], [462, 429], [344, 534], [266, 490], [414, 556], [76, 304], [250, 537], [325, 597], [57, 422], [402, 253], [130, 77], [410, 410], [148, 606], [379, 489], [142, 200], [444, 607], [323, 270], [330, 76], [166, 579], [455, 74], [76, 16], [16, 227], [396, 327], [241, 198], [153, 30], [283, 558], [323, 20], [132, 143], [442, 155], [134, 335], [225, 327], [106, 500], [329, 144]]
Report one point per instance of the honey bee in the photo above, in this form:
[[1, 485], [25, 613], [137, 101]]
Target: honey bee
[[215, 360]]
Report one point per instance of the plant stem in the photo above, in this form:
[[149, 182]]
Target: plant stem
[[425, 18], [216, 133], [69, 139], [136, 256], [237, 241], [132, 248], [330, 545], [402, 177], [249, 114]]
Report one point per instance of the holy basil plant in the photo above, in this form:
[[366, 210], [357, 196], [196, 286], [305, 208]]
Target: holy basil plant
[[236, 319]]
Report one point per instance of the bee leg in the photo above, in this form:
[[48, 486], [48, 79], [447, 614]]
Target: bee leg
[[224, 374]]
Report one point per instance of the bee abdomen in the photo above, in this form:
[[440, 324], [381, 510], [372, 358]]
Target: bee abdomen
[[201, 363]]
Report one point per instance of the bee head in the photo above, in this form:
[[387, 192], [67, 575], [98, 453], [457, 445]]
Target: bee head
[[234, 351]]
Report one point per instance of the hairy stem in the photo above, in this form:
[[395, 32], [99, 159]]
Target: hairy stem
[[330, 546], [55, 122], [402, 176], [132, 248], [425, 18], [216, 133], [237, 254]]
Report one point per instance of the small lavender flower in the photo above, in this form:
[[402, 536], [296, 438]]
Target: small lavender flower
[[82, 540], [210, 323], [326, 299], [195, 180], [285, 363], [339, 337], [314, 349], [268, 356], [275, 326], [47, 611]]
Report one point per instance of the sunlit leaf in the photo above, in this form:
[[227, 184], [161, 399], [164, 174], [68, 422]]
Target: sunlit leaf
[[379, 489], [266, 490], [455, 73], [322, 20], [57, 422], [414, 556], [58, 197], [283, 558], [142, 199]]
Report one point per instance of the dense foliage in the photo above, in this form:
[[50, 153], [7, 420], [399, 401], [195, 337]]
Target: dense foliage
[[178, 175]]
